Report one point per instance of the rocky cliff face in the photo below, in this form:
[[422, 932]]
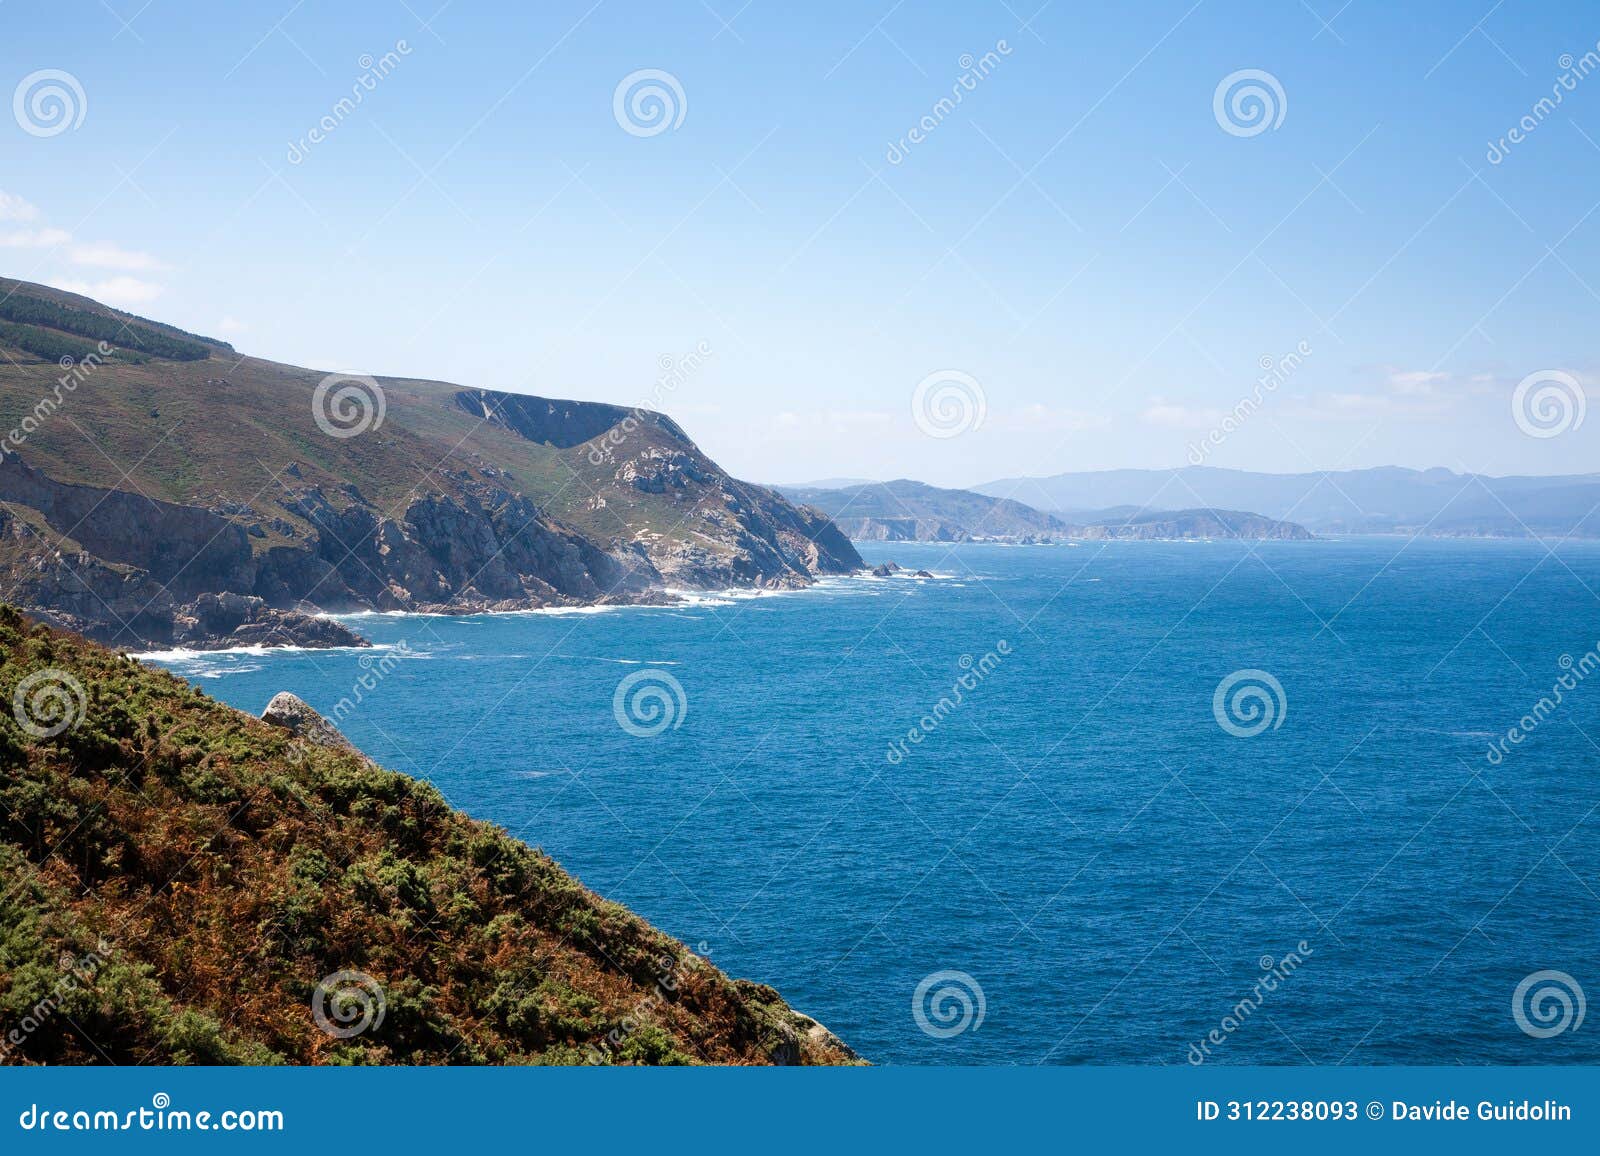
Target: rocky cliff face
[[650, 489], [139, 572], [162, 501]]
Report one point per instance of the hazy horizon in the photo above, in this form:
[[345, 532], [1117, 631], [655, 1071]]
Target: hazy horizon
[[844, 483]]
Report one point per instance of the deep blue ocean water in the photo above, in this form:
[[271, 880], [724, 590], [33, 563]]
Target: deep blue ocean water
[[1079, 837]]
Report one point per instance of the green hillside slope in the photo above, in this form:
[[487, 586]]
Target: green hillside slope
[[182, 883]]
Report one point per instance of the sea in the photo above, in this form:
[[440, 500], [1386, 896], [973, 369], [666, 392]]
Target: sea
[[1329, 802]]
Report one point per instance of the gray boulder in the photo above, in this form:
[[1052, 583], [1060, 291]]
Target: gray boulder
[[299, 718]]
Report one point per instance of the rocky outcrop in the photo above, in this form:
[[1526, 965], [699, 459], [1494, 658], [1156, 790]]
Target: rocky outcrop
[[819, 1037], [245, 620], [790, 1035], [300, 718]]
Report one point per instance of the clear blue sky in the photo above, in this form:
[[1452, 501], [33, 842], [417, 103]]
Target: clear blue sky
[[1079, 235]]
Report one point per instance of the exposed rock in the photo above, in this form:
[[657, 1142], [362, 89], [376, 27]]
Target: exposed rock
[[884, 569], [300, 718], [793, 1038], [213, 620], [154, 574], [821, 1038], [922, 574], [656, 471]]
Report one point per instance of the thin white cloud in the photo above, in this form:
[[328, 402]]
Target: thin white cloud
[[87, 254], [34, 238], [1334, 406], [108, 255], [1173, 416], [14, 208], [125, 292], [1418, 382], [231, 324], [1033, 418]]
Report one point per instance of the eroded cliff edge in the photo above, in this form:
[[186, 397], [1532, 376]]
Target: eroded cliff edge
[[167, 492]]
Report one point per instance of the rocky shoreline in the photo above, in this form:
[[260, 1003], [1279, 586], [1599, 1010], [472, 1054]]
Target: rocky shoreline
[[147, 574]]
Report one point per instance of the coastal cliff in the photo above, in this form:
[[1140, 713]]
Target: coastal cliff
[[158, 489]]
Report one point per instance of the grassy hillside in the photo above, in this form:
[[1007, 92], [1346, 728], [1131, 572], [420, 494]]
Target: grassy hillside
[[310, 491], [177, 879], [1197, 523], [192, 431]]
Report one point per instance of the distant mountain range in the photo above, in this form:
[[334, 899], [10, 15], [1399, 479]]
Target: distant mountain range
[[158, 488], [910, 511], [1388, 499]]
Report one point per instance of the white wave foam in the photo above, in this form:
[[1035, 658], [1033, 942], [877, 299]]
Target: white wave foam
[[255, 650], [620, 661]]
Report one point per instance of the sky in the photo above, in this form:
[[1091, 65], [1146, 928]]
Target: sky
[[801, 246]]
